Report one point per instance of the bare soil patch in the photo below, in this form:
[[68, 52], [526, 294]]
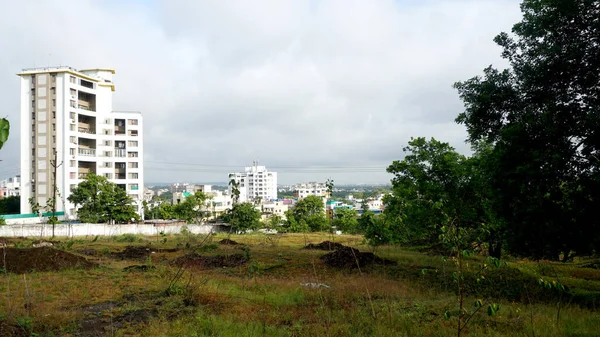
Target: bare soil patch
[[325, 245], [139, 268], [210, 262], [348, 257], [228, 242], [101, 325], [24, 260], [133, 252]]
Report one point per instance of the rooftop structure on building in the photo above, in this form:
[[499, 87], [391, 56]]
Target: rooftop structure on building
[[256, 182], [311, 188], [69, 130]]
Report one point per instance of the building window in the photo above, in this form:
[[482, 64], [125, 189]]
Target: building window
[[87, 84], [73, 104], [132, 154], [133, 175], [53, 126], [73, 163], [133, 165], [53, 102], [133, 143], [73, 92], [133, 187], [72, 79], [132, 121], [72, 175], [72, 152], [107, 143]]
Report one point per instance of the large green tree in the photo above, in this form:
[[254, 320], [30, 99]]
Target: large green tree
[[542, 116], [346, 220], [307, 214], [98, 201], [4, 131], [193, 208], [243, 217], [432, 186], [10, 205]]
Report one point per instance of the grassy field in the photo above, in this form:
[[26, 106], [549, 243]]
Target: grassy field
[[276, 288]]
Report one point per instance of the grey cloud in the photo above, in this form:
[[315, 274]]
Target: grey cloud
[[292, 83]]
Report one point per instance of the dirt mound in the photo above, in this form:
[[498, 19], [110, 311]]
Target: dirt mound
[[133, 252], [325, 245], [228, 242], [101, 325], [138, 268], [23, 260], [87, 251], [347, 257], [209, 262]]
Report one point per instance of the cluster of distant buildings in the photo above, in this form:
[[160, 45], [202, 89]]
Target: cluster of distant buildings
[[69, 130], [258, 185]]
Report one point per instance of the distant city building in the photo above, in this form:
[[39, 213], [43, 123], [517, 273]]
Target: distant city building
[[10, 187], [311, 188], [69, 130], [256, 182], [275, 207]]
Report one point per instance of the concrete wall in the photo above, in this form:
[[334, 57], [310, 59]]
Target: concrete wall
[[45, 230]]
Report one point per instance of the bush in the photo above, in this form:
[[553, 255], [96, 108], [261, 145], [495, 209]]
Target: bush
[[2, 221]]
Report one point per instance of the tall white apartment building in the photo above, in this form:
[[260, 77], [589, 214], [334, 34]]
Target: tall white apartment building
[[67, 114], [255, 182], [311, 188]]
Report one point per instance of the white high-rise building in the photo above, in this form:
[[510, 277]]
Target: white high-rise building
[[255, 182], [67, 114]]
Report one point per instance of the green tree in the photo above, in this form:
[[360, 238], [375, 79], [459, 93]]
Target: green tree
[[193, 208], [542, 117], [4, 131], [377, 229], [307, 213], [243, 217], [346, 220], [101, 201], [433, 183], [10, 205]]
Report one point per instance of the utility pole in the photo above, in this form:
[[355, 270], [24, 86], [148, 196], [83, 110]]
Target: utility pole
[[53, 163]]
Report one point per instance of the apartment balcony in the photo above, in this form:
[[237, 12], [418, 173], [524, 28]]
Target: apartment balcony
[[121, 153], [119, 130], [86, 130], [87, 152], [119, 176]]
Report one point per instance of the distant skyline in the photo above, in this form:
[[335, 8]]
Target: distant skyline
[[313, 89]]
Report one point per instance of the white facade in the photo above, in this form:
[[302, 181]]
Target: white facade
[[10, 187], [255, 182], [68, 114], [312, 188]]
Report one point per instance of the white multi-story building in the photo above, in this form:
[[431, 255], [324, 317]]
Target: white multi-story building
[[10, 187], [68, 125], [256, 182], [311, 188]]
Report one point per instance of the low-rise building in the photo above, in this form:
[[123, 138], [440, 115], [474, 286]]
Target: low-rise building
[[311, 188], [10, 187]]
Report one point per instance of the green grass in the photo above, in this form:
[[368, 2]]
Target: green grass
[[265, 298]]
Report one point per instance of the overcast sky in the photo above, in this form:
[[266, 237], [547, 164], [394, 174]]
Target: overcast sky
[[312, 89]]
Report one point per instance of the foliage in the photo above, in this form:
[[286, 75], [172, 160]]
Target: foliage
[[541, 115], [433, 183], [192, 208], [346, 220], [4, 131], [35, 206], [243, 217], [10, 205], [308, 214], [376, 228], [102, 201], [127, 238], [273, 222], [2, 221]]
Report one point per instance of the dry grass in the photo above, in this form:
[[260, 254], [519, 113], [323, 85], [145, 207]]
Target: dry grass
[[265, 297]]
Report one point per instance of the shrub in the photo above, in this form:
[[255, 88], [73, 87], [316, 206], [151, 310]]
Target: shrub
[[127, 238]]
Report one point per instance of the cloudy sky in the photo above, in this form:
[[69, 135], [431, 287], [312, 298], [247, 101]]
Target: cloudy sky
[[312, 89]]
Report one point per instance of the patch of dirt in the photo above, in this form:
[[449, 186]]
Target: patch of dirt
[[24, 260], [9, 330], [44, 243], [228, 242], [209, 262], [139, 268], [325, 245], [101, 325], [99, 307], [87, 251], [347, 257], [133, 252]]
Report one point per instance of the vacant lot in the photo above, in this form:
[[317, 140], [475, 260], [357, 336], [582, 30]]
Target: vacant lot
[[259, 285]]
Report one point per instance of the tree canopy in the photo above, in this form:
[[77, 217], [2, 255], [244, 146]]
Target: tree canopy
[[542, 119], [308, 214], [100, 201], [243, 216]]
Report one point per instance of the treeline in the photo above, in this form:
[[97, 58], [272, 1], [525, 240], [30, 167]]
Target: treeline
[[533, 183], [10, 205]]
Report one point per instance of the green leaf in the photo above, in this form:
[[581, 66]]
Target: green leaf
[[4, 131], [455, 276], [497, 263], [492, 310], [447, 315]]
